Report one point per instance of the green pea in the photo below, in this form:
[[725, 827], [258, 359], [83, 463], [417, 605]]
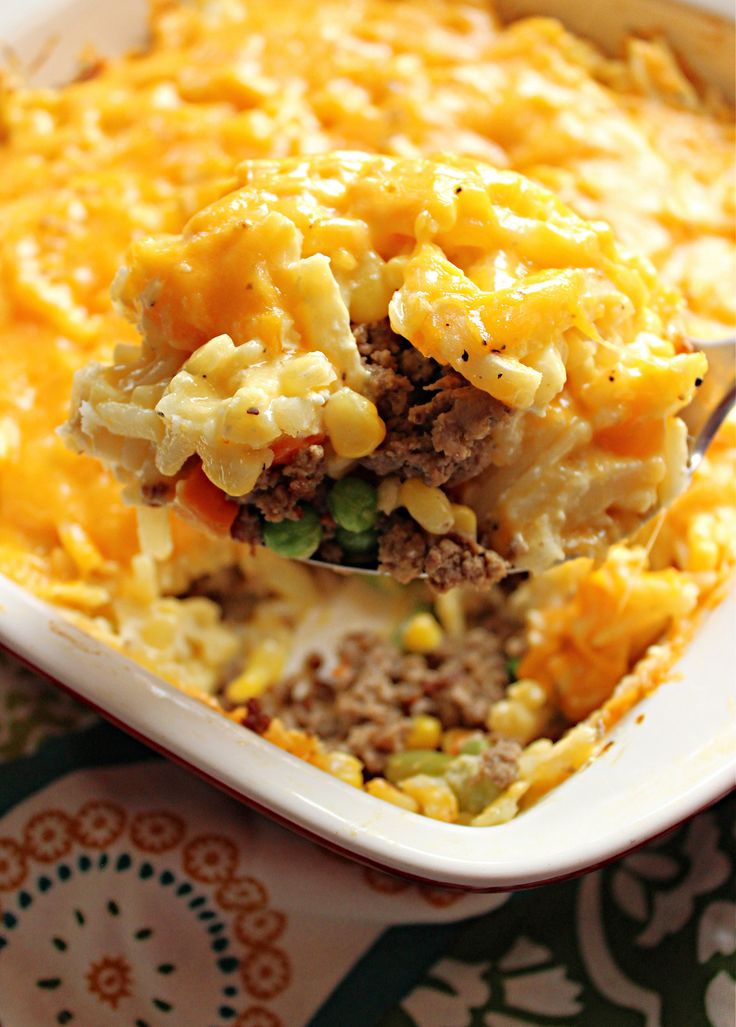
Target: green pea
[[353, 504], [294, 539], [401, 765], [358, 542], [473, 789]]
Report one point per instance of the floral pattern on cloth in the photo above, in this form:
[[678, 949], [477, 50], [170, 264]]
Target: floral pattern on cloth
[[103, 943], [137, 895]]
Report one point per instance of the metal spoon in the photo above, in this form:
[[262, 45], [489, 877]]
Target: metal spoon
[[714, 399], [703, 416]]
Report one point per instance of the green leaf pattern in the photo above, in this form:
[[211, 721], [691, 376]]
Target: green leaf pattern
[[647, 942]]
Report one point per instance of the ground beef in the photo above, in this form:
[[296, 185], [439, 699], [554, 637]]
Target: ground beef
[[444, 440], [364, 704], [455, 561], [402, 548], [255, 719], [406, 551], [247, 526], [500, 762], [438, 428], [281, 488]]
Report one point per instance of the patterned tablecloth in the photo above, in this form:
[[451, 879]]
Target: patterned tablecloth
[[132, 894]]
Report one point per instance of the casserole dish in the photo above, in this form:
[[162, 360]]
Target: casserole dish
[[657, 770]]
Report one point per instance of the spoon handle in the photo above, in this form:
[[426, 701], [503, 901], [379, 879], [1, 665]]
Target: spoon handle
[[714, 399]]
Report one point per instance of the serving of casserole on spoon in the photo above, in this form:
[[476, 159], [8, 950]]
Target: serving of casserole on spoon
[[426, 367]]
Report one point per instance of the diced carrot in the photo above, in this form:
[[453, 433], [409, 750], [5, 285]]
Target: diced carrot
[[207, 502], [286, 448]]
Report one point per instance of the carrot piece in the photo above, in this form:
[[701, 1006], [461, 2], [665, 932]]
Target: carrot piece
[[207, 502], [284, 449]]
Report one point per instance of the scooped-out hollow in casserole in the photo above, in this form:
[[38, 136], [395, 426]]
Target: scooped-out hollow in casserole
[[430, 366]]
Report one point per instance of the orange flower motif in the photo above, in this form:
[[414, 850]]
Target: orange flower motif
[[210, 858], [258, 1016], [265, 972], [110, 980], [242, 894], [259, 926], [156, 831], [12, 865], [98, 824], [48, 835]]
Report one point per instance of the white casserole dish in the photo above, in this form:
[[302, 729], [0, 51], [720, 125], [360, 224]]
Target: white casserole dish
[[660, 769]]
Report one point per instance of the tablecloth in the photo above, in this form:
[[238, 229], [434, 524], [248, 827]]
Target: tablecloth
[[131, 893]]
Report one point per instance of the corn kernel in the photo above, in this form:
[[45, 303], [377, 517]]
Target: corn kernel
[[528, 692], [388, 494], [236, 474], [425, 733], [435, 797], [264, 668], [513, 720], [429, 506], [383, 789], [343, 766], [464, 521], [421, 634], [353, 424]]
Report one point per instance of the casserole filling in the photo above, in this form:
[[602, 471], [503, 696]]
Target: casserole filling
[[133, 149], [432, 366]]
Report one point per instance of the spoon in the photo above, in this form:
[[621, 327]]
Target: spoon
[[714, 399], [703, 416]]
